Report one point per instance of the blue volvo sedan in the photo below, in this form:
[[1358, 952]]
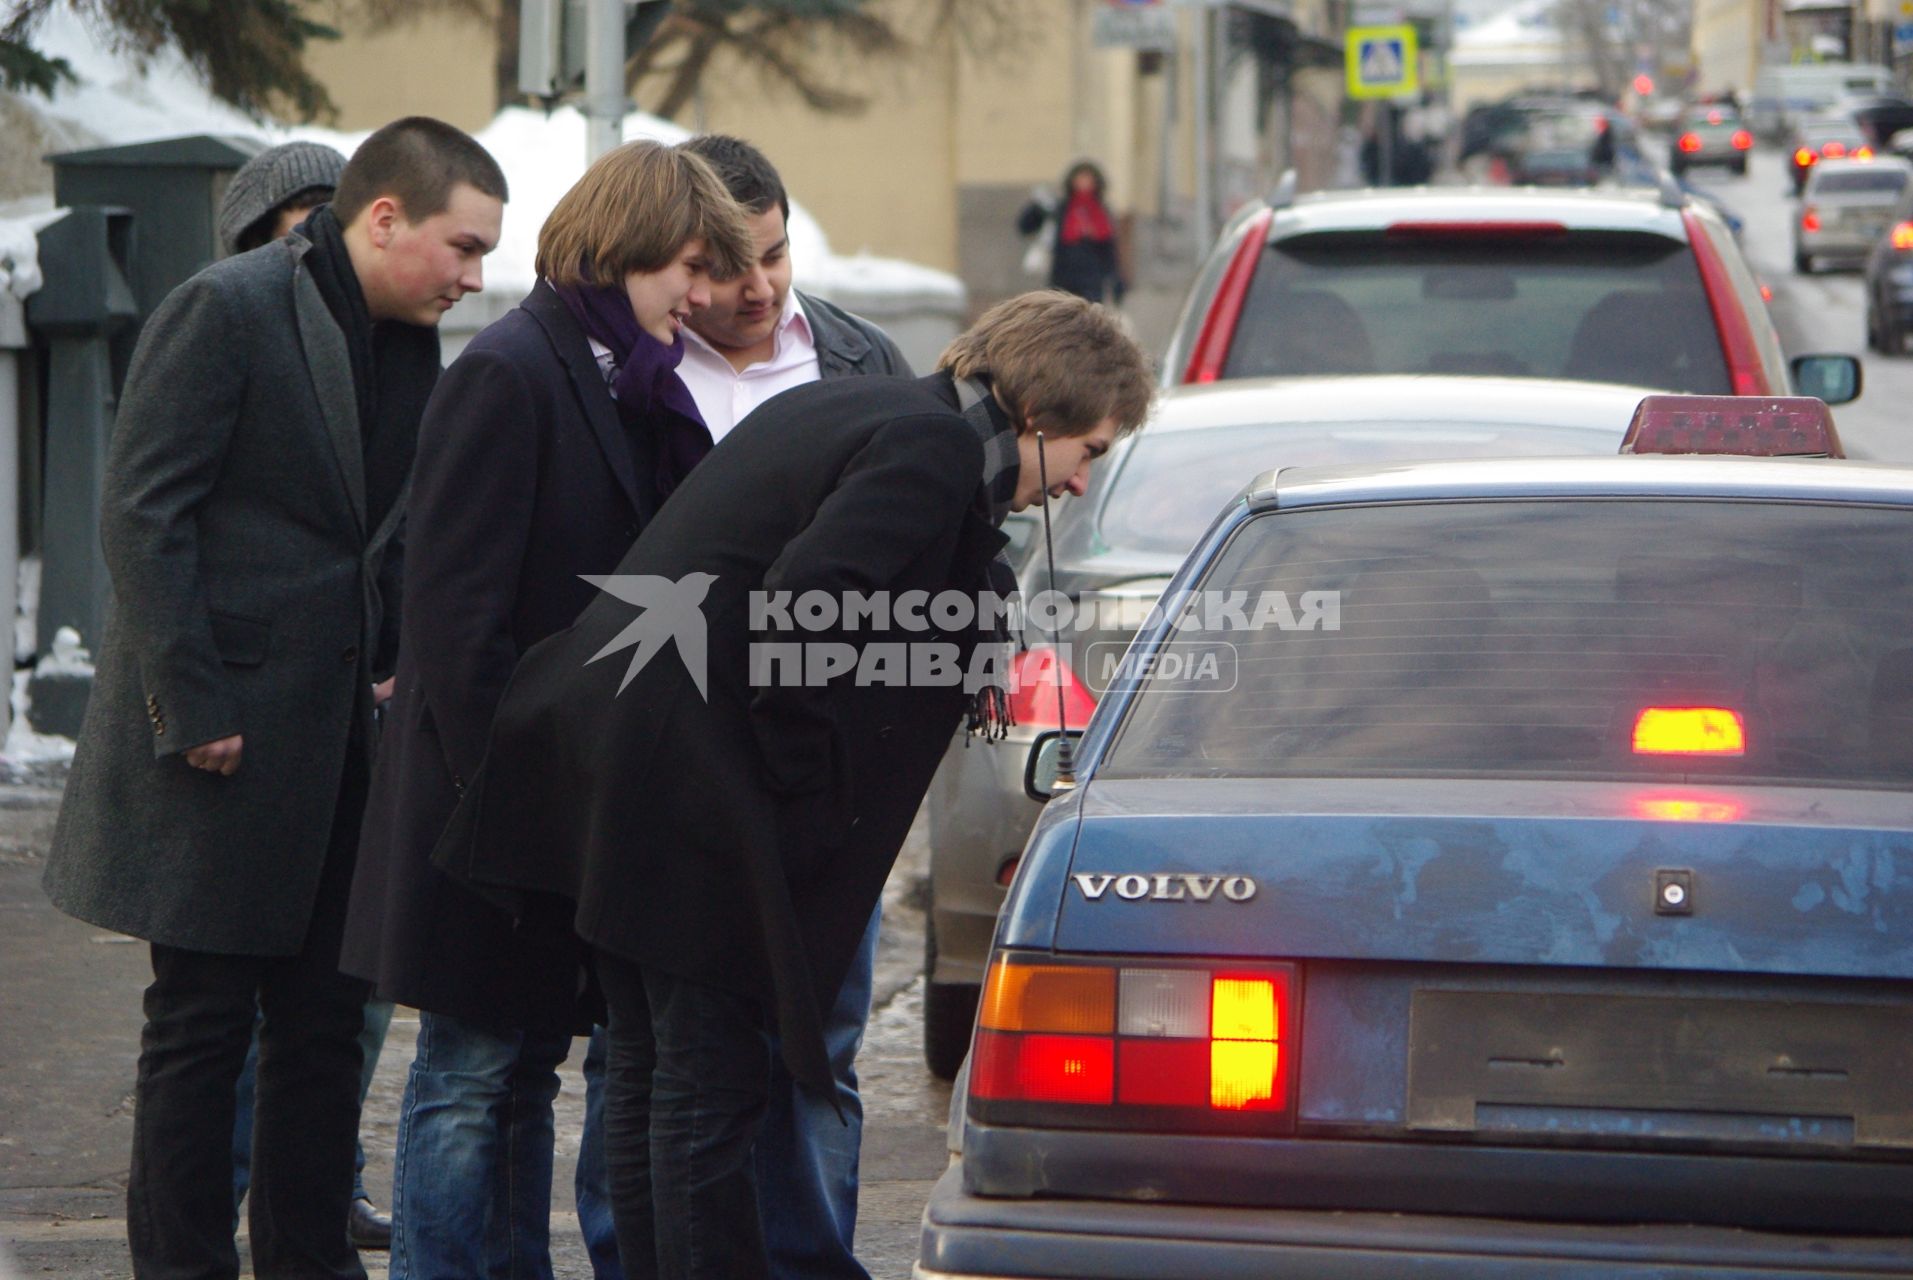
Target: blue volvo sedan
[[1477, 869]]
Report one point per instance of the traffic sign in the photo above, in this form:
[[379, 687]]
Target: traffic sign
[[1382, 62]]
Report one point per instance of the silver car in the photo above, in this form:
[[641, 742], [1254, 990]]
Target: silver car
[[1115, 549], [1845, 209]]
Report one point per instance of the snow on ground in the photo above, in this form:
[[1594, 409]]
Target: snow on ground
[[542, 155]]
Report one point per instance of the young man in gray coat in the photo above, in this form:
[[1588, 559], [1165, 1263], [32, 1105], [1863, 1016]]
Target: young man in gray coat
[[254, 489]]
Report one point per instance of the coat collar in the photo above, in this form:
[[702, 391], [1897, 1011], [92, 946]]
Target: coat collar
[[330, 368], [544, 305], [841, 347]]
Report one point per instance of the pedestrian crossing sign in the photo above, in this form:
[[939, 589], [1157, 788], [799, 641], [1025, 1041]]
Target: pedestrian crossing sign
[[1383, 62]]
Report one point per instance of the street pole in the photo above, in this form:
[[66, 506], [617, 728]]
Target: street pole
[[1200, 92], [605, 102]]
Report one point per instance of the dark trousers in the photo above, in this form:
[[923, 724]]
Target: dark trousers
[[686, 1087], [199, 1020]]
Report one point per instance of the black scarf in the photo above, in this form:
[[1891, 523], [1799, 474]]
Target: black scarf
[[989, 716], [394, 367]]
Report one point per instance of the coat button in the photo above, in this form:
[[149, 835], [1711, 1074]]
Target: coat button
[[350, 653]]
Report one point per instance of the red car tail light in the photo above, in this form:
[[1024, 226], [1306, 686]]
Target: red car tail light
[[1211, 351], [1864, 153], [1744, 371], [1110, 1045], [1691, 141], [1035, 675], [1903, 235], [1697, 731], [1743, 141], [1810, 219], [1765, 426], [1833, 150], [1804, 157]]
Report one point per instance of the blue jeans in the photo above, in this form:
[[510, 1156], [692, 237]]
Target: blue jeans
[[378, 1017], [471, 1187], [806, 1157], [589, 1186]]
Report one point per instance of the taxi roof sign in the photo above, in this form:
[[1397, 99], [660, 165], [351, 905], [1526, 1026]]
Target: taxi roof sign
[[1760, 426], [1382, 62]]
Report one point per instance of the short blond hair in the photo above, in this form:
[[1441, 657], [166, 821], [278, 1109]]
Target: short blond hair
[[1057, 362], [634, 209]]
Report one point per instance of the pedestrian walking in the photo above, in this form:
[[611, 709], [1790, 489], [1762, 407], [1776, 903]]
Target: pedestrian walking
[[1083, 254], [724, 833], [758, 337], [271, 194], [549, 443], [251, 505]]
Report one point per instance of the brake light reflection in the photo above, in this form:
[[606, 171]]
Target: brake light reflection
[[1687, 809], [1715, 731]]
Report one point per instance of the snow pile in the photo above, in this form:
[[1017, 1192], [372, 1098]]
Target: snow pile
[[20, 253], [542, 155], [23, 745]]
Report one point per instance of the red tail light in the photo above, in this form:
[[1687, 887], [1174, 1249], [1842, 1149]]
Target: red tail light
[[1697, 731], [1690, 142], [1736, 330], [1903, 235], [1107, 1045], [1864, 153], [1810, 219], [1804, 157], [1743, 141], [1225, 309], [1833, 150], [1034, 677]]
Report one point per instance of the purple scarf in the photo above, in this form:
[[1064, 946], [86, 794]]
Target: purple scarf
[[651, 397]]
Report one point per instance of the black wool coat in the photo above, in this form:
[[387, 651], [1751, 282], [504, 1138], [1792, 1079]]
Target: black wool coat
[[742, 835], [526, 479]]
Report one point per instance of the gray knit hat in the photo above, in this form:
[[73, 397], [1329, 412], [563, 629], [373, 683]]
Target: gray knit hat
[[271, 179]]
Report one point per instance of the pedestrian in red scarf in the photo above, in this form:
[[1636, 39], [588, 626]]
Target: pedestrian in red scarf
[[1083, 258]]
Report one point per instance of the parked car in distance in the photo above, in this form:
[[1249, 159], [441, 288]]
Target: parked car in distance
[[1846, 207], [1824, 138], [1640, 287], [1710, 133], [1889, 281], [1537, 919], [1117, 545]]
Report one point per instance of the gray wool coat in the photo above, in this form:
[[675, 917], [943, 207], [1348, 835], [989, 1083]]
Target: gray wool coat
[[247, 600]]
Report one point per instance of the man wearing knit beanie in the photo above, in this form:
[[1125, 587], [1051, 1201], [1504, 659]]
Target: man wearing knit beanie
[[272, 193]]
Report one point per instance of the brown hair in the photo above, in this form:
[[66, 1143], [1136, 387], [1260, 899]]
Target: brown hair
[[417, 161], [634, 210], [1058, 362]]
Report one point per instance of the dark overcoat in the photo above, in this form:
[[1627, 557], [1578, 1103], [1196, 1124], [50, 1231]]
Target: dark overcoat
[[247, 601], [741, 835], [527, 480]]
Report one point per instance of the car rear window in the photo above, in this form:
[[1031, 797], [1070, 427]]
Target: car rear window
[[1882, 181], [1602, 307], [1527, 639]]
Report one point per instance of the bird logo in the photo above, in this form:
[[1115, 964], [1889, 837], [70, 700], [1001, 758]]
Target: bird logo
[[672, 612]]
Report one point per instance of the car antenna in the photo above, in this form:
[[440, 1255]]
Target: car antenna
[[1065, 755]]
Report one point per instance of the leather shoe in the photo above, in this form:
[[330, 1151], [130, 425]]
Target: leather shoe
[[366, 1227]]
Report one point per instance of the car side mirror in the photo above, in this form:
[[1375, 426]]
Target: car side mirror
[[1834, 379], [1045, 776]]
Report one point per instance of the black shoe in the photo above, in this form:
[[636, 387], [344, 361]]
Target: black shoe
[[366, 1227]]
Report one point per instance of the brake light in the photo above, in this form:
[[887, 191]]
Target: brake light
[[1804, 157], [1743, 141], [1765, 426], [1713, 731], [1735, 327], [1864, 153], [1088, 1044], [1225, 309], [1034, 677], [1505, 229], [1713, 117], [1766, 293], [1903, 235], [1833, 150], [1810, 219], [1691, 141]]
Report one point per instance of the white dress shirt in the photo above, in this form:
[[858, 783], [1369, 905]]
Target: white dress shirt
[[724, 395]]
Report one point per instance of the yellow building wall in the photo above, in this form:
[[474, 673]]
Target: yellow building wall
[[434, 64], [1726, 41]]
